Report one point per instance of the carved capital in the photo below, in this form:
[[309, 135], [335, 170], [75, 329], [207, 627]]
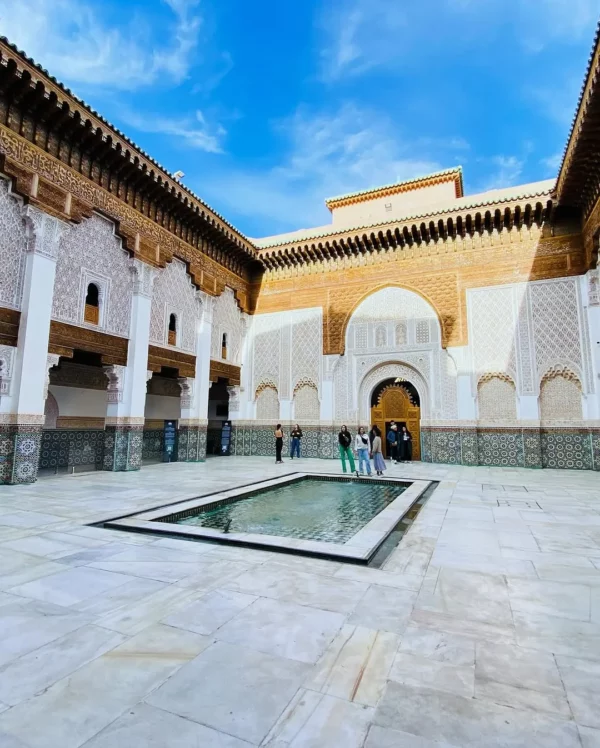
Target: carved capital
[[143, 277], [116, 379], [44, 232], [234, 398], [186, 384], [594, 287], [52, 359], [208, 307]]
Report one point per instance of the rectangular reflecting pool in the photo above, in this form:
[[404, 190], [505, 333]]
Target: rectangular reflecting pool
[[324, 515], [310, 508]]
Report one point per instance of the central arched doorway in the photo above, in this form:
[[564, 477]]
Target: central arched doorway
[[397, 400]]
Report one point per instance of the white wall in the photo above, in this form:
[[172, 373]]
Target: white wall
[[74, 401], [162, 408], [404, 204]]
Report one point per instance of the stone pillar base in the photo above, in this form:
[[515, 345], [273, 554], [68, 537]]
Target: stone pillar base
[[123, 447], [19, 453], [191, 443]]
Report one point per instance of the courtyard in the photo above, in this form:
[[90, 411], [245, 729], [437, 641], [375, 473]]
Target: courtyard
[[482, 628]]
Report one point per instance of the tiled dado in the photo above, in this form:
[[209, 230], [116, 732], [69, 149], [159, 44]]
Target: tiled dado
[[259, 440], [123, 447], [570, 449], [62, 448], [19, 453], [191, 443]]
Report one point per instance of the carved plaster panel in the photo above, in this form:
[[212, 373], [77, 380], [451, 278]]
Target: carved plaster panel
[[228, 320], [93, 246], [13, 243], [174, 294]]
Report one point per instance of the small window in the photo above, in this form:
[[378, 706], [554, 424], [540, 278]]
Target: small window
[[172, 338], [224, 346], [92, 304]]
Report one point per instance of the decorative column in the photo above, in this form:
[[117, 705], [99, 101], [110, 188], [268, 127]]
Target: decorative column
[[593, 314], [126, 392], [194, 392], [21, 426]]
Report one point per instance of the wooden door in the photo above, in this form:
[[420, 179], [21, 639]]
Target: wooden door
[[395, 404]]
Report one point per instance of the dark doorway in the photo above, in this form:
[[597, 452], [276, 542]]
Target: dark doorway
[[218, 414]]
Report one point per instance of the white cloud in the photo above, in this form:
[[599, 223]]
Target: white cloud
[[326, 154], [72, 40], [188, 131], [552, 163], [359, 35], [505, 172]]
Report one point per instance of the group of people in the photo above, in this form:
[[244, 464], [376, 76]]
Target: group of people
[[366, 446], [371, 446]]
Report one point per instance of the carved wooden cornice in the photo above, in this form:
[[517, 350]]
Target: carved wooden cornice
[[9, 326], [222, 370], [64, 339], [158, 357], [47, 182]]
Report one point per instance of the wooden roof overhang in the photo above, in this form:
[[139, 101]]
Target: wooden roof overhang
[[422, 230], [40, 109], [578, 184]]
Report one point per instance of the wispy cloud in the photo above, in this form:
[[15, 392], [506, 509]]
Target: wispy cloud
[[552, 163], [505, 171], [325, 154], [73, 40], [191, 131], [359, 35]]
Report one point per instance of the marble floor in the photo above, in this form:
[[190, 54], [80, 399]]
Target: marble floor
[[481, 629]]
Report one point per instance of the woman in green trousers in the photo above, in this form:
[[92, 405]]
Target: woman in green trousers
[[345, 440]]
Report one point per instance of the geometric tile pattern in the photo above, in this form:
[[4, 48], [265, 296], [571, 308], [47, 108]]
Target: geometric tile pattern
[[123, 448], [19, 453], [67, 448], [567, 449], [153, 445], [500, 447], [191, 444]]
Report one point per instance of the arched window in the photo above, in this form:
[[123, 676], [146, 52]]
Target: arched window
[[224, 346], [92, 304], [172, 337]]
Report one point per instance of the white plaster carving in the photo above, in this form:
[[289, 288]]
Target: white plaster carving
[[594, 287], [174, 294], [497, 399], [51, 361], [44, 232], [380, 373], [116, 380], [13, 243], [144, 276], [92, 246], [307, 407], [267, 404], [186, 384], [227, 318], [560, 397]]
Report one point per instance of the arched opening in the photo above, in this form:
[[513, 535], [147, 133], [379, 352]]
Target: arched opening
[[224, 346], [397, 400], [172, 334], [92, 304]]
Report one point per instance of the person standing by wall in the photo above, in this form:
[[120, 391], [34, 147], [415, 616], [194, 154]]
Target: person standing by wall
[[345, 442], [361, 445], [392, 440], [378, 461], [405, 445], [296, 436], [278, 444]]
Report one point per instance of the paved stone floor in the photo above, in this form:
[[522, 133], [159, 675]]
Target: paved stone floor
[[482, 629]]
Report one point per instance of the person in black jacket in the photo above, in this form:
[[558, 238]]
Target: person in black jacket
[[296, 436], [405, 445], [345, 443]]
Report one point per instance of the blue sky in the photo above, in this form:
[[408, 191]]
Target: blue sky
[[271, 106]]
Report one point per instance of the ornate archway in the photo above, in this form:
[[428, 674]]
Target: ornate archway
[[390, 370], [396, 402]]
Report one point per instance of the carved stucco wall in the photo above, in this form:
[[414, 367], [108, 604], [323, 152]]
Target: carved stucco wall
[[228, 319], [267, 405], [173, 293], [560, 399], [306, 403], [286, 349], [90, 252], [524, 329], [12, 248], [497, 399], [391, 331]]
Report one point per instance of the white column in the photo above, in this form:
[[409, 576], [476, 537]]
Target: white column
[[127, 385], [30, 368], [203, 347], [593, 315], [528, 409], [327, 403]]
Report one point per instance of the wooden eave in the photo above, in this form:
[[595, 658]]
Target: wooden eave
[[578, 182], [422, 231], [30, 90]]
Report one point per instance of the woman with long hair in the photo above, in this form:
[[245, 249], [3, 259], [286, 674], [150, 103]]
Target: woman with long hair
[[345, 442], [378, 461], [405, 442], [278, 444], [361, 446], [296, 436]]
